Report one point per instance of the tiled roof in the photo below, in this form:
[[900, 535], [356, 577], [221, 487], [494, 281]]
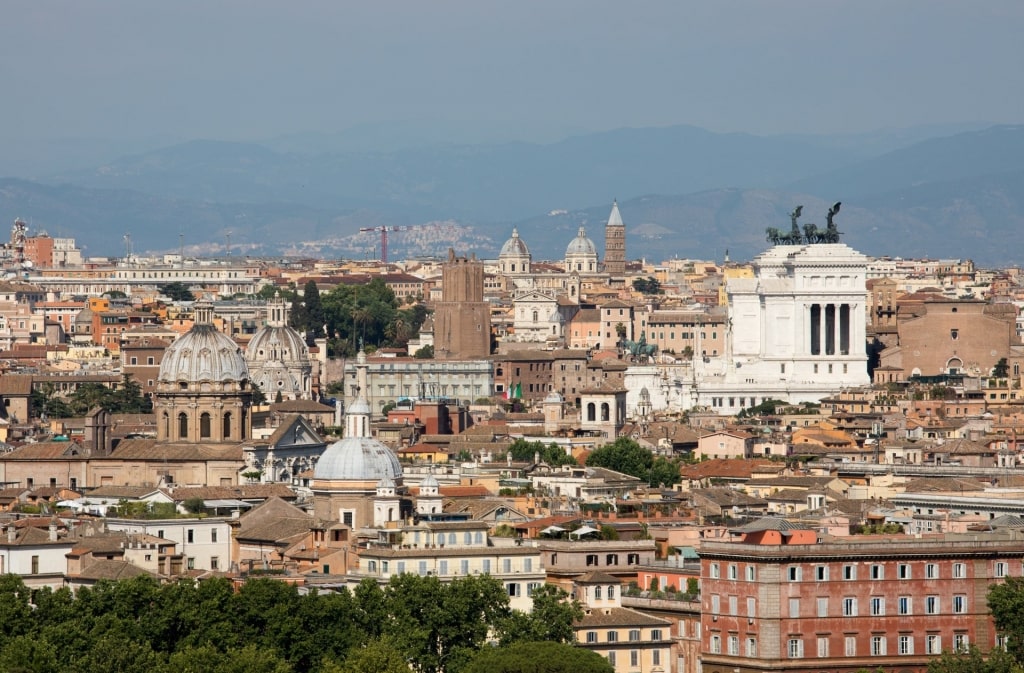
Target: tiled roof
[[618, 617]]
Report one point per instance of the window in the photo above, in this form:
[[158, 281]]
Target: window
[[591, 636], [822, 647], [751, 573], [796, 648], [794, 608], [655, 634], [906, 644], [514, 590], [733, 572], [959, 570], [821, 573], [823, 606], [656, 656], [716, 604], [933, 644], [1000, 569], [734, 645], [751, 647], [597, 593], [877, 606], [611, 589], [850, 646], [877, 572], [849, 607], [960, 642], [714, 571], [733, 607], [904, 603], [487, 566], [213, 535], [214, 563], [716, 644], [751, 608], [849, 572], [634, 658], [878, 646], [191, 563], [931, 605], [903, 571], [190, 535], [931, 571], [794, 573], [591, 559], [634, 635], [204, 425], [960, 604], [611, 659], [35, 565]]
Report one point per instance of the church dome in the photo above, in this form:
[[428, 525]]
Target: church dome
[[358, 459], [204, 353], [514, 247], [272, 343], [429, 481], [581, 245]]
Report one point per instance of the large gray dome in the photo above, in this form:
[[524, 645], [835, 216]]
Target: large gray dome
[[358, 459], [203, 354], [277, 344], [581, 245], [514, 247]]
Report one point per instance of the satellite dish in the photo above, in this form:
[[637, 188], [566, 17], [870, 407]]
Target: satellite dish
[[27, 264]]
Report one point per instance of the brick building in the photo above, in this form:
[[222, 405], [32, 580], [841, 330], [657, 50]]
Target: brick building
[[783, 599]]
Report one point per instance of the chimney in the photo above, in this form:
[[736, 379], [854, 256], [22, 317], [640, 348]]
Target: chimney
[[53, 531], [12, 534]]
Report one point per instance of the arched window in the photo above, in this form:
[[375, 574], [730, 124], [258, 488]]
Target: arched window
[[242, 426], [167, 425], [226, 430], [605, 411], [591, 411], [536, 316], [183, 425], [204, 425]]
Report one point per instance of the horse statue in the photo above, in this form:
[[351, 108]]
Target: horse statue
[[774, 235], [640, 350], [811, 233]]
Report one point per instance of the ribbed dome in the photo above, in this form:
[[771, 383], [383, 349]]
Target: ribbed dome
[[359, 406], [358, 459], [282, 344], [203, 354], [581, 245], [429, 481], [514, 247]]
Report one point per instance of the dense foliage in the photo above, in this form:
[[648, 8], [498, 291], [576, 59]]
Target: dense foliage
[[1006, 601], [127, 399], [625, 455], [540, 657], [647, 285], [176, 291], [267, 626], [552, 454], [352, 314]]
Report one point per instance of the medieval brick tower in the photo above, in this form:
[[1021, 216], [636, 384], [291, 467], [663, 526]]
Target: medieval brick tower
[[462, 319], [615, 245]]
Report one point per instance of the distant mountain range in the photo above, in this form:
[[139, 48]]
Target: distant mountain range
[[683, 192]]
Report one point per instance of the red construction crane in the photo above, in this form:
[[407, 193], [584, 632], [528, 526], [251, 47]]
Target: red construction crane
[[383, 229]]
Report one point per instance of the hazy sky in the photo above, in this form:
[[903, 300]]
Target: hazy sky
[[260, 68]]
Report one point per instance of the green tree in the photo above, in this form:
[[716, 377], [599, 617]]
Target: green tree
[[551, 619], [379, 655], [1006, 602], [552, 454], [176, 291], [647, 285], [972, 661], [1001, 370], [314, 313], [625, 455], [424, 353], [534, 657], [28, 654]]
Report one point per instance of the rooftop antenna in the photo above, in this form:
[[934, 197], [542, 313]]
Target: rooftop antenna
[[228, 236], [127, 248]]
